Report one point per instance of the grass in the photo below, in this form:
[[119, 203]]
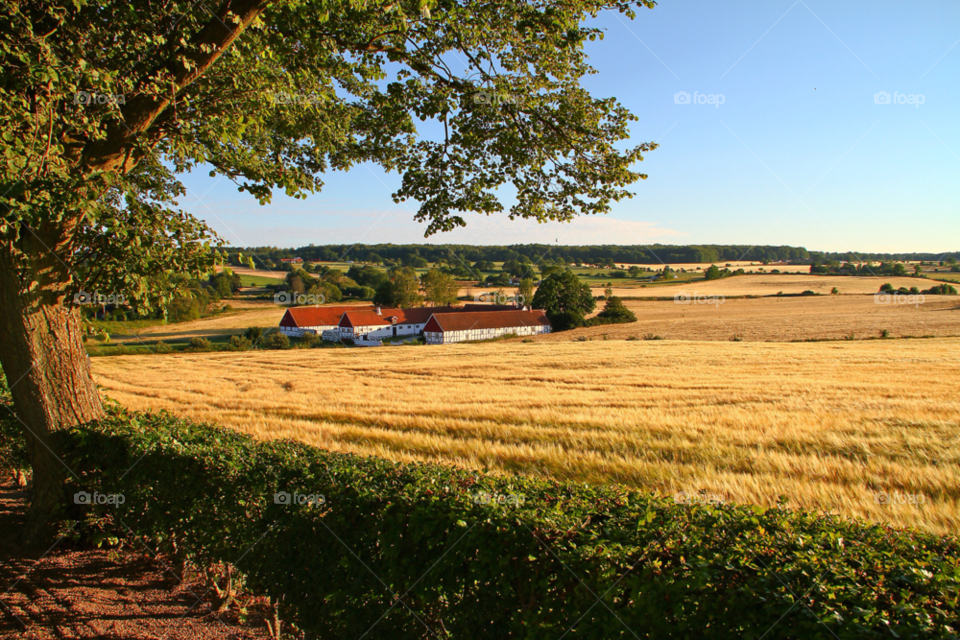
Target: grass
[[862, 428]]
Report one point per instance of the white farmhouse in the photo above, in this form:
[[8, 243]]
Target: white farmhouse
[[447, 328]]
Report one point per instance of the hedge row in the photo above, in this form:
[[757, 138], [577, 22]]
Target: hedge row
[[376, 549]]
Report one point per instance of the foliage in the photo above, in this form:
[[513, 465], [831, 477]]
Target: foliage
[[439, 288], [565, 299], [525, 291], [402, 290], [614, 312], [492, 552], [199, 344], [276, 340], [942, 290], [253, 334]]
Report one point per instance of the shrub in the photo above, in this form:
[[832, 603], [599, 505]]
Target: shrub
[[276, 340], [239, 343], [651, 336], [614, 312], [254, 335], [199, 344], [338, 538], [941, 290], [162, 347]]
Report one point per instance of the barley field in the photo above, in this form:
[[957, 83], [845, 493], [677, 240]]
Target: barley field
[[863, 428], [770, 285], [777, 319]]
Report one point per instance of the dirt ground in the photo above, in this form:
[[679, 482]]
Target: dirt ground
[[82, 593]]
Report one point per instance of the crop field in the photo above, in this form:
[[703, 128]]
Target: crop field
[[785, 319], [863, 428], [772, 284]]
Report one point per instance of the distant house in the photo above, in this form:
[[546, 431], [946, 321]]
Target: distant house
[[377, 323], [298, 321], [448, 328], [370, 323], [291, 260]]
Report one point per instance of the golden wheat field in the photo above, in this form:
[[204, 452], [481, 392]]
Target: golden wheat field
[[777, 319], [864, 428]]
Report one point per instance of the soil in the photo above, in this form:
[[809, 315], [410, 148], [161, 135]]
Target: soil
[[73, 592]]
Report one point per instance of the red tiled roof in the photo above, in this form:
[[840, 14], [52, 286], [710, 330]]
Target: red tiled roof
[[316, 316], [466, 320], [490, 307], [363, 319]]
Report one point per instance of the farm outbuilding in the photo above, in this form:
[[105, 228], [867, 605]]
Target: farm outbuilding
[[448, 328], [298, 321]]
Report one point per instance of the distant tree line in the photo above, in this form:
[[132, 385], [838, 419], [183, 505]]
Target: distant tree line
[[418, 255]]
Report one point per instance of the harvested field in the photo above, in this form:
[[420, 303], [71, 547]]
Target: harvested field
[[864, 428], [784, 319], [771, 285]]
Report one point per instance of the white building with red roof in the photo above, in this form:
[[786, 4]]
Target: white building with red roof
[[298, 321], [448, 328]]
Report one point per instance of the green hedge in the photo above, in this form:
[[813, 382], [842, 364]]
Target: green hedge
[[476, 556]]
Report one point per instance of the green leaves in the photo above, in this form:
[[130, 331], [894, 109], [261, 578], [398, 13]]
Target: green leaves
[[533, 569]]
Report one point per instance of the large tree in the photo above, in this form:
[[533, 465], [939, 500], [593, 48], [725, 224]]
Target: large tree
[[105, 102]]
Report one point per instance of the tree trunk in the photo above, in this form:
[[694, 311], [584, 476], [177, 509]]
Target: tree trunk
[[48, 372]]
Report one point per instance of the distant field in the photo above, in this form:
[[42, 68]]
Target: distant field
[[769, 285], [734, 265], [827, 425], [778, 319]]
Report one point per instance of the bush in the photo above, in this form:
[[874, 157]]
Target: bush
[[941, 290], [566, 320], [162, 347], [199, 344], [614, 312], [505, 554], [239, 343], [276, 340], [254, 335]]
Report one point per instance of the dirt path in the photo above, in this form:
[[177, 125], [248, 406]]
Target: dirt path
[[79, 593]]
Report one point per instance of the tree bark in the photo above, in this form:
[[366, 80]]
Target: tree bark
[[48, 372]]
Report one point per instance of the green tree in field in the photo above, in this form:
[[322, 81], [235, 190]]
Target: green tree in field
[[525, 292], [106, 102], [402, 290], [439, 288], [712, 273], [615, 312], [565, 299]]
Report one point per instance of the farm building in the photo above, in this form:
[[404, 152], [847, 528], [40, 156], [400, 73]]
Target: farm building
[[447, 328], [298, 321], [377, 323]]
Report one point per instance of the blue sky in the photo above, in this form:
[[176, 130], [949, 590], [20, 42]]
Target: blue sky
[[799, 153]]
